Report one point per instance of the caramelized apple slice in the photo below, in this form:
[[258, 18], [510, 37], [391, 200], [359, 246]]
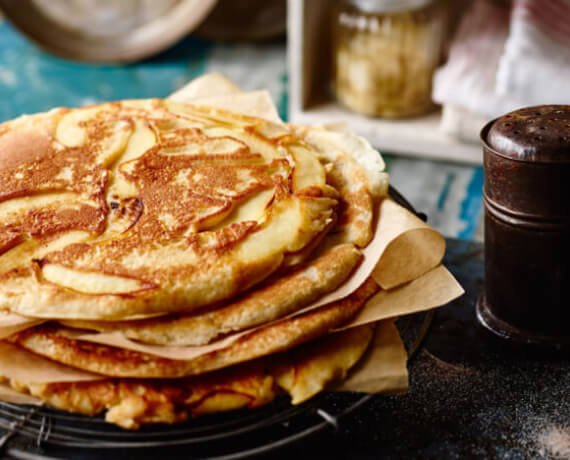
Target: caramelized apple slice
[[92, 282]]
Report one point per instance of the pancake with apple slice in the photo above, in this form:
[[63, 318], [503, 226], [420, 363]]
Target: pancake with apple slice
[[143, 208]]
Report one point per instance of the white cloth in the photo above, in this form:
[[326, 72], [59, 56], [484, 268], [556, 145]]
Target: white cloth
[[502, 59], [468, 78], [535, 66], [462, 123]]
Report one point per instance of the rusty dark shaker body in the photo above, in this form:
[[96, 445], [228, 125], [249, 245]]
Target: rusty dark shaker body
[[527, 225]]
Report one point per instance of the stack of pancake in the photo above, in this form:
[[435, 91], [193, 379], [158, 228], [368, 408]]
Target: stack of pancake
[[183, 226]]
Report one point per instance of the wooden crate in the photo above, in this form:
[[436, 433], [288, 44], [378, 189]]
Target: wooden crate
[[310, 99]]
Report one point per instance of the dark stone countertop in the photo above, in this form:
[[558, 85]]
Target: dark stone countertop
[[471, 395]]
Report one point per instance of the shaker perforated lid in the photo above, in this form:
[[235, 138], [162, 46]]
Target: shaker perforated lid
[[527, 166], [538, 134]]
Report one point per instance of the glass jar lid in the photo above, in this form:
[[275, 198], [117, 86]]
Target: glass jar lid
[[388, 6]]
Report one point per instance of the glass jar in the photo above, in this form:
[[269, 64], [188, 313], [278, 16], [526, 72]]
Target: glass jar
[[385, 53]]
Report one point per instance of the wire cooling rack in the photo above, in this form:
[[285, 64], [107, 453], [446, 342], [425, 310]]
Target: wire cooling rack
[[41, 432], [44, 432]]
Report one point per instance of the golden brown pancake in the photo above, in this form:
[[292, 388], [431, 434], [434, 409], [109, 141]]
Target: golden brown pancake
[[277, 298], [356, 171], [139, 208], [305, 371], [301, 372], [130, 403], [51, 342]]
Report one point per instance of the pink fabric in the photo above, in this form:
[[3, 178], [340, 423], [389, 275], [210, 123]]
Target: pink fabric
[[551, 16]]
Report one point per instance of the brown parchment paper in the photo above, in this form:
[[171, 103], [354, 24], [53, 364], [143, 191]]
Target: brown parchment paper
[[210, 84], [19, 364], [9, 395], [215, 90], [256, 104], [10, 323], [433, 289], [116, 339], [410, 247], [383, 368]]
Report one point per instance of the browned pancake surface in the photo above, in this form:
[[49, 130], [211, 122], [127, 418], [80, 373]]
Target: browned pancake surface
[[136, 208]]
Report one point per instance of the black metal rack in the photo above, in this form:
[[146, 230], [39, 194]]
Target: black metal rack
[[43, 432]]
